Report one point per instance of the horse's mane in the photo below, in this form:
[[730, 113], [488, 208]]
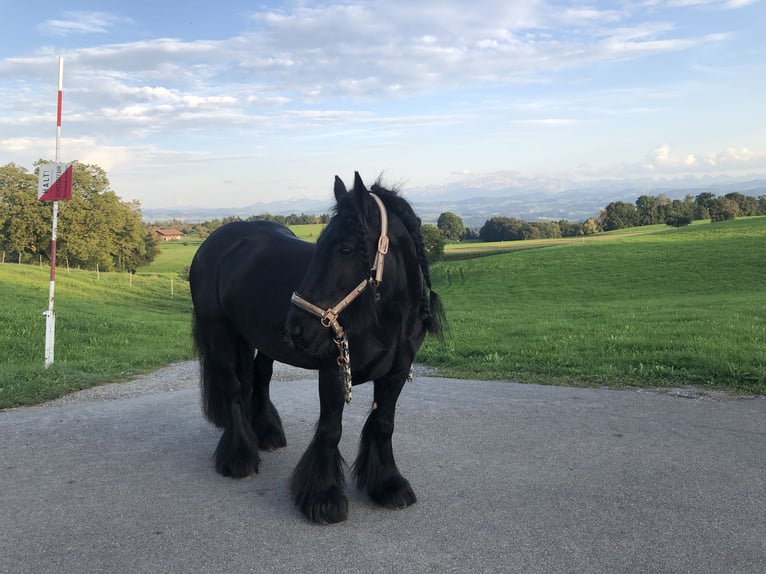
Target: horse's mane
[[431, 308]]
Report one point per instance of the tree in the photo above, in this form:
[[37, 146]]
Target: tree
[[96, 228], [678, 220], [433, 241], [703, 204], [451, 226], [723, 209], [590, 226], [648, 210], [619, 215], [748, 205], [502, 229], [25, 223]]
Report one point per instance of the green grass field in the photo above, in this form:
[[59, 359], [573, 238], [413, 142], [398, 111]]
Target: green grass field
[[675, 307], [661, 308], [174, 256], [106, 329]]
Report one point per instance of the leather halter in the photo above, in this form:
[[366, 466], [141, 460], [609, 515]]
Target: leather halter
[[329, 317]]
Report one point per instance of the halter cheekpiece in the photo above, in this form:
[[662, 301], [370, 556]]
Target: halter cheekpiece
[[329, 317]]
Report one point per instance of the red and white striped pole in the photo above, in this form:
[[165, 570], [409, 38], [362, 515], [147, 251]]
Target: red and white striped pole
[[50, 315]]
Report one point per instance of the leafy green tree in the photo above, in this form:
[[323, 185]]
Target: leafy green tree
[[502, 229], [678, 220], [648, 209], [723, 209], [25, 223], [590, 226], [703, 204], [747, 204], [451, 226], [433, 241], [679, 208], [95, 227], [619, 215]]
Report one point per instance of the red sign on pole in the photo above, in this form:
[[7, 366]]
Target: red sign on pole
[[55, 183]]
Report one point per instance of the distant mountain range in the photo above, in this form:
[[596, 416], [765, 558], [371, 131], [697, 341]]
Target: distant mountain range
[[477, 200]]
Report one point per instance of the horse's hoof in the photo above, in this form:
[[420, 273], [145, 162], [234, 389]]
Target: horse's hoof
[[236, 463], [271, 438], [237, 469], [327, 507], [394, 492]]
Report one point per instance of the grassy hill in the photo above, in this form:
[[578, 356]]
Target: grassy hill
[[106, 329], [670, 307], [675, 307]]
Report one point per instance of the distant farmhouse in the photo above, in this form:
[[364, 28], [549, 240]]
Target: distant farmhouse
[[168, 234]]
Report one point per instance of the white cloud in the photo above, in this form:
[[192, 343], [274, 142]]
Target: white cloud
[[82, 23], [717, 4], [664, 160], [399, 78]]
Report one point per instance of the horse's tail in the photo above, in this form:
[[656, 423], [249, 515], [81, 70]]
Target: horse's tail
[[436, 322], [215, 404]]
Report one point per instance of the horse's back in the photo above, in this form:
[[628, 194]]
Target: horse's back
[[244, 273], [260, 234]]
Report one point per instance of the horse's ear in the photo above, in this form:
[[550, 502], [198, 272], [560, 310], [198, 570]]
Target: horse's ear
[[358, 183], [340, 189], [360, 194]]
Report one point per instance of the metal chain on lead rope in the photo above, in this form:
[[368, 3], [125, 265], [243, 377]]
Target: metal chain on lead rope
[[344, 367], [329, 317]]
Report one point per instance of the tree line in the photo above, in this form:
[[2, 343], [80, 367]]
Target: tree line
[[647, 210], [96, 229], [99, 230], [204, 228], [651, 210]]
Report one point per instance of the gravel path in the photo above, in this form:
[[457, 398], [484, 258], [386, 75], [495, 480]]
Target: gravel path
[[176, 377]]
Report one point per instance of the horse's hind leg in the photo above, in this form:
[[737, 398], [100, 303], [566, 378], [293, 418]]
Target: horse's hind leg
[[264, 416], [375, 469], [227, 365]]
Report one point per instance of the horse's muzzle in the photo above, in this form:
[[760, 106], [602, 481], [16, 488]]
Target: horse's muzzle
[[307, 335]]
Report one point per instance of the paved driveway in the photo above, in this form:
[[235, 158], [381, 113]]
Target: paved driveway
[[510, 478]]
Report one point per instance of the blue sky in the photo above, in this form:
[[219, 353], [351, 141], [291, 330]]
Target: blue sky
[[229, 103]]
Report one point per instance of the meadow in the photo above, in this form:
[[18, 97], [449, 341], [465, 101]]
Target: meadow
[[109, 327], [673, 307], [648, 307]]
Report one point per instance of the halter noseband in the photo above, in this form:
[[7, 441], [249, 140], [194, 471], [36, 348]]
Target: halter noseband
[[329, 317]]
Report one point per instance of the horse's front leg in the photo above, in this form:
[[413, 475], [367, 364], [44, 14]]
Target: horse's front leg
[[317, 482], [375, 468]]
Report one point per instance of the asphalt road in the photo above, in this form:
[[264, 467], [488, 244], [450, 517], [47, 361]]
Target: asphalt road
[[510, 478]]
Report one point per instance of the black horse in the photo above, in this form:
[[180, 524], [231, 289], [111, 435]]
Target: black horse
[[356, 307]]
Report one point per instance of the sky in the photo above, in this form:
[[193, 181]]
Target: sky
[[219, 104]]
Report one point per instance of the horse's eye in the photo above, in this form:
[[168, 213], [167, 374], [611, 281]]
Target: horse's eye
[[345, 250]]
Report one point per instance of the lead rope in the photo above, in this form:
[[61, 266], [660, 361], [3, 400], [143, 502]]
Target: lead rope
[[329, 317]]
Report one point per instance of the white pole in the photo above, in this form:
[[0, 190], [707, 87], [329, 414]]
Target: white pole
[[50, 316]]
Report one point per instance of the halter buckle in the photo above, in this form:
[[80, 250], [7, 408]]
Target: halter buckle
[[383, 245], [328, 318]]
